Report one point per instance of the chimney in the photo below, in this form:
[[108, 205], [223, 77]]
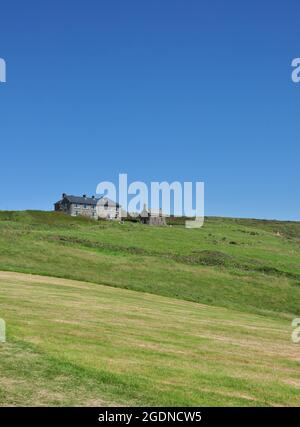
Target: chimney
[[63, 195], [93, 197], [84, 196]]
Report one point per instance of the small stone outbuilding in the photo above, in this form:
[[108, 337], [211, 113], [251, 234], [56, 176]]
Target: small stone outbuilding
[[150, 217], [91, 207]]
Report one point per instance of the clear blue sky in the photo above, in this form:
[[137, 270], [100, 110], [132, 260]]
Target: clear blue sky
[[162, 89]]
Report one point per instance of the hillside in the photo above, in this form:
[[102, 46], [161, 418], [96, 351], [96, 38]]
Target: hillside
[[247, 265], [139, 315], [74, 343]]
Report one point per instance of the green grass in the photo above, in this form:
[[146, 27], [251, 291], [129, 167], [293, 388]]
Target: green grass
[[186, 317], [239, 264], [74, 343]]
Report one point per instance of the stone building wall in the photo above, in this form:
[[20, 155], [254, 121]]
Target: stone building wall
[[84, 210], [103, 208]]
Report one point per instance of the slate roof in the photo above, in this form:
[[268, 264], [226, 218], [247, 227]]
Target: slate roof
[[80, 200]]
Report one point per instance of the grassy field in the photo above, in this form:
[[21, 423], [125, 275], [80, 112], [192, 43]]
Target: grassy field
[[170, 316], [77, 343]]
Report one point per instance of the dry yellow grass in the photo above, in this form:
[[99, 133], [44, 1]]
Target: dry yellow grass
[[72, 342]]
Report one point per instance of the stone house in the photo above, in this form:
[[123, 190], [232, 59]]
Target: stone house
[[91, 207], [108, 209], [151, 217]]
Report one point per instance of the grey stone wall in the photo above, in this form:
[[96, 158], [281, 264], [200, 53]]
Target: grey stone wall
[[108, 212], [88, 210], [84, 210]]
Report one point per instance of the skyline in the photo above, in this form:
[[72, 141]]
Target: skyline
[[163, 92]]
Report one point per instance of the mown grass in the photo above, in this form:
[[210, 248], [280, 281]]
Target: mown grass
[[75, 343], [249, 265], [186, 317]]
